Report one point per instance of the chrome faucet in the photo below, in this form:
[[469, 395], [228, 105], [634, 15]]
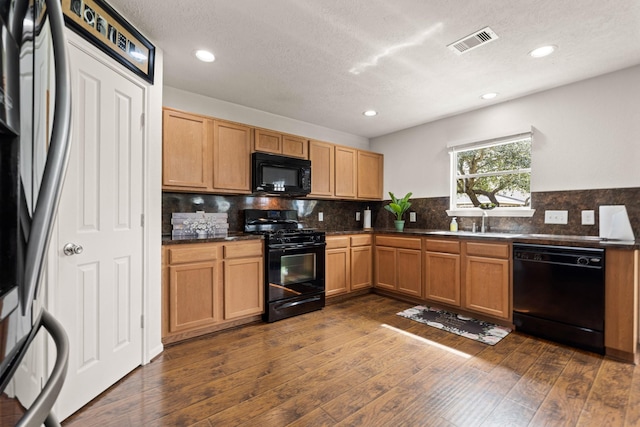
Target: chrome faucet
[[484, 215]]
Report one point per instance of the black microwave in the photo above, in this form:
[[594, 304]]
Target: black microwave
[[273, 174]]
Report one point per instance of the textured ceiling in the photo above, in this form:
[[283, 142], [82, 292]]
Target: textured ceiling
[[327, 61]]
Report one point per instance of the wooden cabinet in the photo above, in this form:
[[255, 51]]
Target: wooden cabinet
[[243, 279], [278, 143], [442, 271], [204, 155], [186, 151], [338, 266], [194, 298], [622, 277], [322, 156], [231, 157], [361, 261], [211, 286], [348, 264], [398, 265], [487, 278], [370, 172], [346, 172]]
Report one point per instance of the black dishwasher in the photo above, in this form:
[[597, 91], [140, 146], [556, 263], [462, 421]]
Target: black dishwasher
[[558, 294]]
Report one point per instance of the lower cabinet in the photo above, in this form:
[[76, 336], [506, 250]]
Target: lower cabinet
[[442, 271], [398, 265], [348, 264], [207, 285], [243, 280], [486, 278]]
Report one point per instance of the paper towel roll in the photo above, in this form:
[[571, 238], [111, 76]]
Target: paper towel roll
[[367, 219]]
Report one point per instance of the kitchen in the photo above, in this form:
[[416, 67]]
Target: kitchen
[[573, 168]]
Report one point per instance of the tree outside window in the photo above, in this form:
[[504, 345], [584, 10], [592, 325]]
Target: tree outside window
[[497, 174]]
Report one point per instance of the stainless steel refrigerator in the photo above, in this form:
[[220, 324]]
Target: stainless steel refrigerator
[[34, 147]]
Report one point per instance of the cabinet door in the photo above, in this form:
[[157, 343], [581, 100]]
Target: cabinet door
[[385, 268], [345, 180], [243, 287], [337, 272], [370, 166], [409, 271], [295, 146], [268, 141], [487, 286], [360, 267], [442, 277], [322, 159], [193, 300], [231, 157], [186, 155]]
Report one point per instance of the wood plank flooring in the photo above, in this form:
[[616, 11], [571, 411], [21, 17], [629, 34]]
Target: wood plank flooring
[[356, 363]]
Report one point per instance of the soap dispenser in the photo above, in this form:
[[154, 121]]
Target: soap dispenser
[[454, 225]]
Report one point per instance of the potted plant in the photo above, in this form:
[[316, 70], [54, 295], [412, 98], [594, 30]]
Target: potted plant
[[398, 207]]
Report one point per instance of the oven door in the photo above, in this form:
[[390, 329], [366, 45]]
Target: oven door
[[295, 271]]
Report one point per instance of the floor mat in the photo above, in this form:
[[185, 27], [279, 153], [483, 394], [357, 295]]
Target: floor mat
[[487, 333]]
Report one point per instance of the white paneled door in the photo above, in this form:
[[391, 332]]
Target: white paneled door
[[99, 287]]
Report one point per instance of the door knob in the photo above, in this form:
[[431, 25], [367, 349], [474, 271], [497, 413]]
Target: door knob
[[72, 249]]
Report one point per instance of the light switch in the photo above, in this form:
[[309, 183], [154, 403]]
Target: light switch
[[357, 216], [320, 216], [556, 217]]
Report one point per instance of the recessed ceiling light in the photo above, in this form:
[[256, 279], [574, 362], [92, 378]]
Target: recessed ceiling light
[[543, 51], [370, 113], [489, 95], [205, 56]]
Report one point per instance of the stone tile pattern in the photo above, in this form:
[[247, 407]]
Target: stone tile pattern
[[340, 215]]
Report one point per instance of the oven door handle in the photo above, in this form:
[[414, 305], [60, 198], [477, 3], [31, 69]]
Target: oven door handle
[[294, 303], [289, 247]]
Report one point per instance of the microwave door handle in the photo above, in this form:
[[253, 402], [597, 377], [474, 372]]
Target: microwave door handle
[[57, 158]]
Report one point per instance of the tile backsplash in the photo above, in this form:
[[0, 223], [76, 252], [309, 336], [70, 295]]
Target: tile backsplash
[[430, 212]]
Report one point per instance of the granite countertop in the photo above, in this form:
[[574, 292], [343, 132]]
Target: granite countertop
[[540, 239], [232, 237]]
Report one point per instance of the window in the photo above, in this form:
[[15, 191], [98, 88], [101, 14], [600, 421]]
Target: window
[[496, 172]]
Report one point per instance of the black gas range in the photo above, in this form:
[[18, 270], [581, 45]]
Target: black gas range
[[294, 263]]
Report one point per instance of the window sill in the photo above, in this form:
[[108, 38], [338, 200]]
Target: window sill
[[503, 212]]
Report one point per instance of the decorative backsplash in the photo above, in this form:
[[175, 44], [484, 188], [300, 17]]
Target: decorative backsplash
[[340, 215], [199, 225]]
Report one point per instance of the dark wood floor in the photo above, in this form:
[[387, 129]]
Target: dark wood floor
[[358, 364]]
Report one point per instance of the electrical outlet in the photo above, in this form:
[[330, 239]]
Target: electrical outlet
[[320, 216], [357, 216], [412, 217], [556, 217], [588, 218]]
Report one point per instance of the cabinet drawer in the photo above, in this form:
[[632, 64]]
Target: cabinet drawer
[[491, 250], [361, 240], [399, 242], [449, 246], [193, 254], [335, 242], [243, 250]]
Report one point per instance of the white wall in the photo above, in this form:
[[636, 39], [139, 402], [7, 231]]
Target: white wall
[[199, 104], [586, 136]]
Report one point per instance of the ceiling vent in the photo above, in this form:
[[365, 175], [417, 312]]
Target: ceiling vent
[[473, 41]]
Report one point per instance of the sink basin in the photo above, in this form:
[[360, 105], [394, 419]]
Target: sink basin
[[480, 235]]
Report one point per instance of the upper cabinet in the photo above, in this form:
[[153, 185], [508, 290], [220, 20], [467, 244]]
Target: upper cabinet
[[186, 151], [370, 170], [344, 173], [322, 156], [231, 157], [272, 142], [201, 154]]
